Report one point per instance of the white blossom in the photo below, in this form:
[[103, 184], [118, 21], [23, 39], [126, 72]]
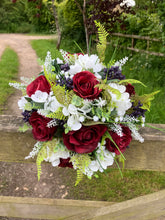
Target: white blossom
[[122, 103], [39, 96], [21, 103], [128, 3], [54, 157]]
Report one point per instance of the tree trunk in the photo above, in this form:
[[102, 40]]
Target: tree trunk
[[57, 24], [83, 11]]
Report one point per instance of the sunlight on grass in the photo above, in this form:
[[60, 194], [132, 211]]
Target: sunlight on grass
[[8, 71]]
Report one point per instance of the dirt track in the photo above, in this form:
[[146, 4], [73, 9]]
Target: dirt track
[[21, 179], [27, 58]]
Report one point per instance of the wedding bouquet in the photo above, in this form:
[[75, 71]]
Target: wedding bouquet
[[83, 114]]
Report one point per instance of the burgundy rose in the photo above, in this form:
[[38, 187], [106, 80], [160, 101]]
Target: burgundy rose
[[122, 142], [84, 140], [40, 130], [40, 83], [84, 85], [130, 89], [65, 163]]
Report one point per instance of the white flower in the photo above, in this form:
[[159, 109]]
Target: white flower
[[21, 103], [54, 158], [100, 102], [76, 68], [59, 61], [128, 3], [73, 122], [95, 118], [121, 62], [86, 62], [123, 103], [39, 96], [48, 63], [51, 103]]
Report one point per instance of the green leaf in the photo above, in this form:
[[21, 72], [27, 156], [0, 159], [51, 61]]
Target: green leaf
[[28, 106], [146, 99], [24, 128], [102, 44], [76, 100], [131, 81], [107, 87]]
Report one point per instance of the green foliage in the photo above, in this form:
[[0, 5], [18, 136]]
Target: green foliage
[[57, 114], [46, 150], [131, 81], [8, 71], [40, 158], [77, 101], [146, 99], [80, 161], [102, 44], [24, 16], [71, 20], [107, 87], [63, 97], [24, 128]]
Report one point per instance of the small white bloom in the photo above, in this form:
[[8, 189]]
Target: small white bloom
[[95, 118], [103, 119], [59, 61], [21, 103], [73, 122], [128, 3], [81, 118], [39, 96]]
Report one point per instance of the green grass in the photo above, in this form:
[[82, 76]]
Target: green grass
[[8, 71], [111, 187]]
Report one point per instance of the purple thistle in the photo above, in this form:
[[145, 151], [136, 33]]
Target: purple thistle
[[137, 110], [65, 67], [27, 114], [113, 73], [67, 82]]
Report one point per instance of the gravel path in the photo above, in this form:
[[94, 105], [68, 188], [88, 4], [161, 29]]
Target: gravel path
[[27, 59], [21, 179]]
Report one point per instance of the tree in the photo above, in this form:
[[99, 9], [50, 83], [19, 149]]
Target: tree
[[83, 11]]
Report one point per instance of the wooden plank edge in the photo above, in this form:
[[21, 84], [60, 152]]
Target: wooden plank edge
[[44, 208], [10, 123], [56, 202], [125, 205]]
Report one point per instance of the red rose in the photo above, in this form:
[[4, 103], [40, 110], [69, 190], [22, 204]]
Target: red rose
[[84, 140], [84, 85], [40, 83], [65, 163], [40, 130], [122, 142], [130, 89]]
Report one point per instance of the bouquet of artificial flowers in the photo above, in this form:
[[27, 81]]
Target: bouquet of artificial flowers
[[83, 114]]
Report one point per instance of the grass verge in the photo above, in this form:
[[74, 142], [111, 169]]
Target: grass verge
[[111, 187], [8, 71]]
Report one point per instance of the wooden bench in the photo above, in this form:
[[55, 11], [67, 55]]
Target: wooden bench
[[149, 155]]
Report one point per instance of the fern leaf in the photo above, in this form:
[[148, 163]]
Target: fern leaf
[[101, 46], [80, 162], [57, 114], [79, 177], [146, 99], [40, 158], [132, 81], [106, 87], [63, 97]]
